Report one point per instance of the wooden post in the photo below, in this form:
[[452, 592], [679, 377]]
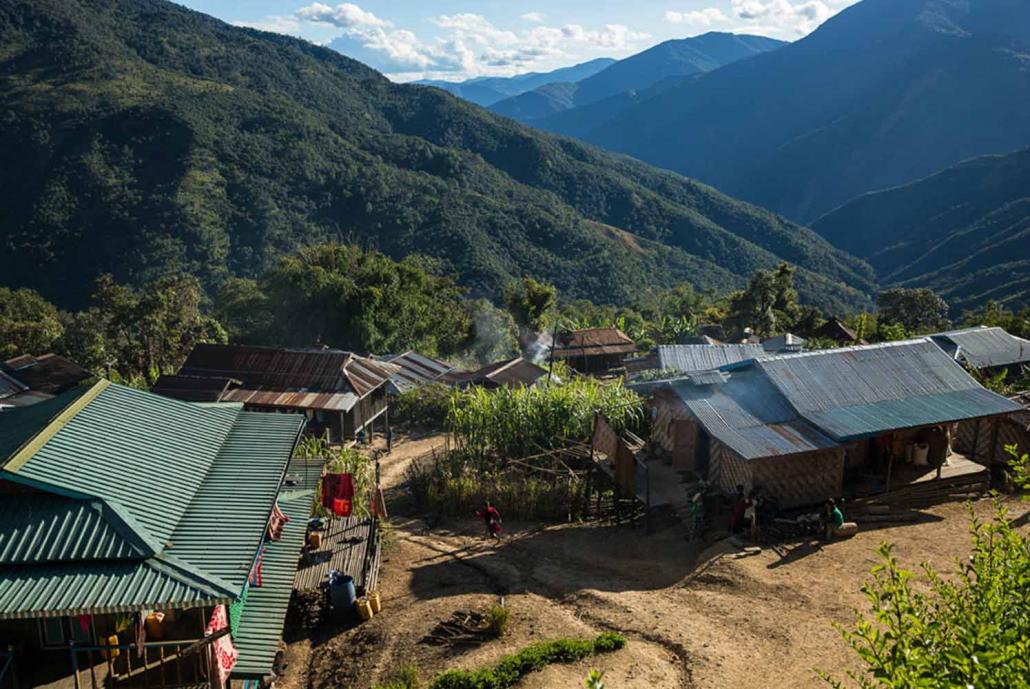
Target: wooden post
[[890, 468]]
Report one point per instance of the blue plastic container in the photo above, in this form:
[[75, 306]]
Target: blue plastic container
[[342, 595]]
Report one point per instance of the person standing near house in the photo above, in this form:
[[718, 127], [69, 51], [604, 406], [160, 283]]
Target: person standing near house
[[492, 518]]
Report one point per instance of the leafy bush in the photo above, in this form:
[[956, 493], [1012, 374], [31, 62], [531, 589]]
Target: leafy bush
[[406, 678], [498, 616], [511, 669], [969, 630]]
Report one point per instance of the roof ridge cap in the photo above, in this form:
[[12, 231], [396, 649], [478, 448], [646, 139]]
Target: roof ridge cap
[[31, 446]]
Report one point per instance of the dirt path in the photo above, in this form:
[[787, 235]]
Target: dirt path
[[714, 622], [405, 449]]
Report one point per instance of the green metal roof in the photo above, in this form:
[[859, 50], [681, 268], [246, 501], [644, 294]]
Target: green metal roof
[[57, 590], [225, 523], [52, 528], [148, 453], [128, 475], [18, 426], [261, 624]]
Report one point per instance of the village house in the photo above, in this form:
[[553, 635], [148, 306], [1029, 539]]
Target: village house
[[141, 540], [510, 373], [834, 329], [340, 393], [801, 426], [28, 379], [988, 350], [411, 370], [594, 350]]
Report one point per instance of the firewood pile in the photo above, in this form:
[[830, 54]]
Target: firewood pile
[[462, 628]]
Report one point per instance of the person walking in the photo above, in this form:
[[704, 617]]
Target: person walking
[[492, 518]]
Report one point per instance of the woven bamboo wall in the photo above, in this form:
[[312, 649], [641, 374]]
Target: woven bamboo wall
[[674, 431], [727, 469], [984, 440], [802, 479]]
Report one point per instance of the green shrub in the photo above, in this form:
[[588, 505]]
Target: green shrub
[[406, 678], [498, 615], [426, 406], [511, 669]]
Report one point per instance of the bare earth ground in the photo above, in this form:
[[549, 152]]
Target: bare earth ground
[[708, 621]]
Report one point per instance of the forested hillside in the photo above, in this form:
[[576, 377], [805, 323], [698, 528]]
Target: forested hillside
[[883, 93], [965, 232], [143, 139]]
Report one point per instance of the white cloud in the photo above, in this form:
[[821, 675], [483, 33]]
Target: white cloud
[[787, 17], [705, 17], [345, 16], [466, 44], [275, 24]]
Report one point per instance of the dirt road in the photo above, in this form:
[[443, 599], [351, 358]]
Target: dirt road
[[713, 622]]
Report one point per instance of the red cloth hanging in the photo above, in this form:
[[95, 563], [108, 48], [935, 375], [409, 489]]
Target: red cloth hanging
[[341, 507], [336, 486]]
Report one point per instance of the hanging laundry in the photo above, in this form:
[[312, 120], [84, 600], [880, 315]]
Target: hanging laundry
[[84, 622], [336, 486], [341, 507], [225, 654], [276, 523], [255, 572]]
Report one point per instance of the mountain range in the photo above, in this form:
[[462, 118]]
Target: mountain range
[[964, 232], [624, 81], [489, 90], [143, 139], [883, 93]]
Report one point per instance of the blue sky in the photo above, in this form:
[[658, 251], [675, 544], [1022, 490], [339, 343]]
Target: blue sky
[[460, 39]]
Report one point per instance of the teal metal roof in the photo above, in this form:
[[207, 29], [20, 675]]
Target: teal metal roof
[[145, 502], [863, 391], [225, 523], [58, 590], [18, 426], [147, 453], [52, 528], [264, 613]]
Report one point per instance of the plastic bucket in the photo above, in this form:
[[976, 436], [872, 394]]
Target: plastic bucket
[[376, 602]]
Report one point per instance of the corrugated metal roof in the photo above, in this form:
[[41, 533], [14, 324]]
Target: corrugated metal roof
[[783, 343], [511, 372], [221, 530], [415, 370], [689, 358], [862, 391], [264, 613], [18, 426], [194, 484], [9, 386], [327, 379], [105, 587], [36, 528], [144, 452], [749, 415], [593, 342], [191, 388], [50, 373], [984, 347]]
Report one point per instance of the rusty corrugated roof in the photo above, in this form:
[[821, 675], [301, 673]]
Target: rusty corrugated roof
[[327, 379], [593, 342], [49, 373]]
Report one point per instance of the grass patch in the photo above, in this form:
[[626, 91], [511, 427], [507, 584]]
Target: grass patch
[[510, 669], [497, 616], [406, 678]]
